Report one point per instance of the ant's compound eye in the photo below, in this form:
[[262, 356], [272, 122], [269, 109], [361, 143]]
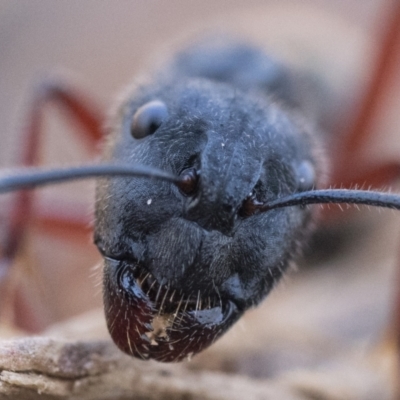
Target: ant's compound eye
[[189, 179], [148, 119], [305, 176]]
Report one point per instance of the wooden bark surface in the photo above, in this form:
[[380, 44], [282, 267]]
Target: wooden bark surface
[[42, 368]]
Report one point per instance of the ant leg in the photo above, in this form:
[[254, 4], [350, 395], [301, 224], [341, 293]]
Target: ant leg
[[350, 144], [89, 118], [347, 156], [350, 168]]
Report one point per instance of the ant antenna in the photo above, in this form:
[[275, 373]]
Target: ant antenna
[[24, 178], [335, 196]]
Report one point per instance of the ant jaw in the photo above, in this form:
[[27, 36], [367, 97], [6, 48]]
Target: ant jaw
[[149, 320]]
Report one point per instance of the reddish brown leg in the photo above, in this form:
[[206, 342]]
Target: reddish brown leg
[[350, 166], [352, 143], [90, 119]]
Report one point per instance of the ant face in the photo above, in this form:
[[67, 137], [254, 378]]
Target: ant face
[[183, 263]]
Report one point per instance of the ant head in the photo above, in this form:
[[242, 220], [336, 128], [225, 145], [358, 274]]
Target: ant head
[[198, 253]]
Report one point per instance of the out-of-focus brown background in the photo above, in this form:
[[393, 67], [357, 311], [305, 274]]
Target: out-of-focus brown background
[[102, 44]]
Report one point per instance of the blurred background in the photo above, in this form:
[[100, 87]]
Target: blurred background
[[100, 46]]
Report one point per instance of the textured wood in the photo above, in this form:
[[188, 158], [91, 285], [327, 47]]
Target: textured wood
[[41, 368]]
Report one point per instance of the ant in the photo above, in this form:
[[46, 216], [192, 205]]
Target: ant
[[202, 202]]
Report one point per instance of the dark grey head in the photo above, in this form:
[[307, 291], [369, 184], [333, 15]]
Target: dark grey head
[[203, 245]]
